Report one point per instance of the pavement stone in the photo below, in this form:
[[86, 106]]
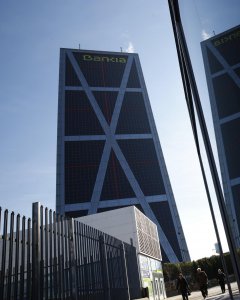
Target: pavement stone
[[214, 293]]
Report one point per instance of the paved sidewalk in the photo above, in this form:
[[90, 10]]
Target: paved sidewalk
[[214, 293]]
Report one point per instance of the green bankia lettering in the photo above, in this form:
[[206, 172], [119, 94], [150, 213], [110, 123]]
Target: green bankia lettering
[[97, 58], [87, 57], [227, 38], [112, 59]]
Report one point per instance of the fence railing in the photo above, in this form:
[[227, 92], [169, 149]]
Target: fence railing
[[51, 257]]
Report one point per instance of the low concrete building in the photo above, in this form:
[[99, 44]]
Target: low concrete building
[[130, 225]]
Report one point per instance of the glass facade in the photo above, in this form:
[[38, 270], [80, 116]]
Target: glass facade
[[163, 214], [109, 155], [116, 184], [221, 60], [227, 95], [142, 159], [133, 116], [81, 165], [236, 200], [80, 118], [76, 214], [133, 80], [231, 141], [214, 64], [101, 70], [106, 102], [71, 78], [228, 45]]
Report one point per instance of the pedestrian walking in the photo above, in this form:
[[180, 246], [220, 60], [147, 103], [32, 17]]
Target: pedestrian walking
[[182, 286], [221, 280], [202, 280]]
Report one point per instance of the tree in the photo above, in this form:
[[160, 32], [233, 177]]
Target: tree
[[171, 270]]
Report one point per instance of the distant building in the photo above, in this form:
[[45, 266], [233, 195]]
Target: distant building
[[108, 151], [221, 56], [131, 226]]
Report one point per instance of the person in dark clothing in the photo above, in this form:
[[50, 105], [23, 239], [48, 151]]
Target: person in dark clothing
[[221, 280], [182, 286], [202, 280]]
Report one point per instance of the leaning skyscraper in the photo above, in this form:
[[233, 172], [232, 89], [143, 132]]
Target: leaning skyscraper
[[222, 66], [108, 151]]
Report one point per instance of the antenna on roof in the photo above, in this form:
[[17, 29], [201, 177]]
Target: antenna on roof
[[79, 46], [213, 32], [121, 49]]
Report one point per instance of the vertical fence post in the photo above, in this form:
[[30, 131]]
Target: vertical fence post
[[104, 264], [125, 270], [4, 253], [41, 272], [35, 251], [46, 254], [10, 257], [29, 264], [17, 250], [72, 258], [22, 268]]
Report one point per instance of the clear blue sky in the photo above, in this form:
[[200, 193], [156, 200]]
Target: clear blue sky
[[31, 34]]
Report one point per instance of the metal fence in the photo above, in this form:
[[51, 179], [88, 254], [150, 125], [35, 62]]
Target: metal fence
[[51, 257]]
